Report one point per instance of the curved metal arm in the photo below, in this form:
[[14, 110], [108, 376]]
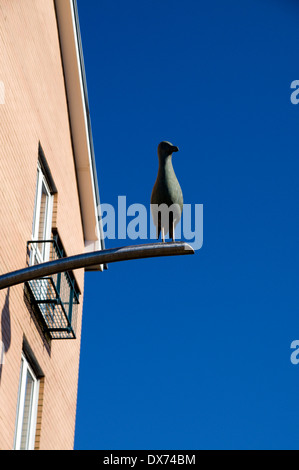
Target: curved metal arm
[[96, 258]]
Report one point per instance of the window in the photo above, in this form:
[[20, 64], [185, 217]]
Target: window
[[27, 408], [42, 219]]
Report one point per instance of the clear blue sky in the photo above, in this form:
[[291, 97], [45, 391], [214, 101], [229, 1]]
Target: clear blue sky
[[194, 352]]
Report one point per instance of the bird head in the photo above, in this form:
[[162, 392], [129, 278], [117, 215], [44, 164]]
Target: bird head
[[165, 149]]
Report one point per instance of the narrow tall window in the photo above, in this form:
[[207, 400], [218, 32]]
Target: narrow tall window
[[27, 408], [42, 220]]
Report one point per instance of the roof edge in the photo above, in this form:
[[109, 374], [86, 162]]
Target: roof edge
[[80, 123]]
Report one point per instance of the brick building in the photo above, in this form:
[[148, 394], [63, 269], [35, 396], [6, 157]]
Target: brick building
[[48, 209]]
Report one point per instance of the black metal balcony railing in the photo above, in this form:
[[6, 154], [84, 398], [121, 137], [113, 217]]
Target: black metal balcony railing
[[56, 297]]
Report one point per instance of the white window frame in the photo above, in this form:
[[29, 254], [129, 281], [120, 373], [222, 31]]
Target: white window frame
[[25, 368], [36, 254]]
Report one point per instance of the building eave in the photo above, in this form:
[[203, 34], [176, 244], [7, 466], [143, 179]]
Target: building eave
[[80, 123]]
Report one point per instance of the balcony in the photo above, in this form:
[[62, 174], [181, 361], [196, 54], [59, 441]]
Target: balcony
[[55, 298]]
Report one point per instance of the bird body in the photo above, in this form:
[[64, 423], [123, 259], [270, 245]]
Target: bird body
[[166, 193]]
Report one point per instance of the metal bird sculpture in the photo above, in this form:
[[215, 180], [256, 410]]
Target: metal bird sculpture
[[166, 193]]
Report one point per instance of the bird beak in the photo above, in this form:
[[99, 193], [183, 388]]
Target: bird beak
[[175, 149]]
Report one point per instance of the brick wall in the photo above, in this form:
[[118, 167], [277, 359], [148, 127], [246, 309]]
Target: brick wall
[[35, 110]]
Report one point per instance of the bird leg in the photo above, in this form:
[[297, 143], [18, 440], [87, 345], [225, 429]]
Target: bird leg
[[173, 234], [171, 226]]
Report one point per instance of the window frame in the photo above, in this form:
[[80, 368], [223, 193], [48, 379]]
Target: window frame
[[40, 184], [30, 443]]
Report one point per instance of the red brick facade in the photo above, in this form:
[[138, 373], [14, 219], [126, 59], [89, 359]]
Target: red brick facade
[[35, 112]]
